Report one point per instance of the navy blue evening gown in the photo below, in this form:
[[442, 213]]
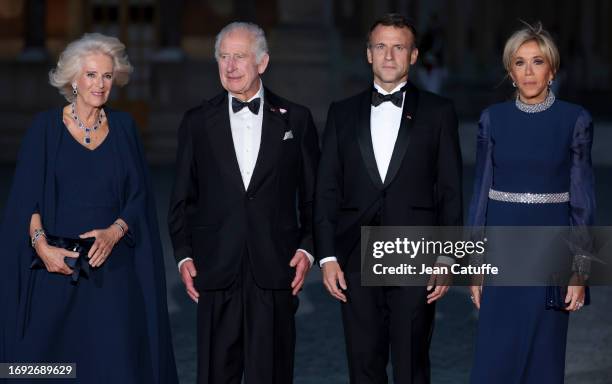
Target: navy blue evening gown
[[97, 322], [518, 339], [112, 323]]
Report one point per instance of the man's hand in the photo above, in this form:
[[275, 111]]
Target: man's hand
[[476, 295], [302, 265], [188, 272], [439, 283], [332, 277]]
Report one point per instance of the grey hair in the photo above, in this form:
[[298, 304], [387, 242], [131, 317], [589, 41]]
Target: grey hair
[[69, 64], [532, 33], [259, 46]]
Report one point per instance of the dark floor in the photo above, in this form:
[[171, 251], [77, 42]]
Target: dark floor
[[320, 354]]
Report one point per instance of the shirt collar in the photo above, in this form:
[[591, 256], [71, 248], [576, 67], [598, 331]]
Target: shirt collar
[[383, 92]]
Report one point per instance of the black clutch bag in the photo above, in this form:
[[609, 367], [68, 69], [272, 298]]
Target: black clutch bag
[[80, 265], [555, 297]]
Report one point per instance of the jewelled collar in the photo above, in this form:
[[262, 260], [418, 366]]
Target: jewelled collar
[[535, 108]]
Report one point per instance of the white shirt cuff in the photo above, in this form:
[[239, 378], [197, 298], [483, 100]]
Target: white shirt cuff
[[308, 255], [326, 259], [182, 261], [445, 260]]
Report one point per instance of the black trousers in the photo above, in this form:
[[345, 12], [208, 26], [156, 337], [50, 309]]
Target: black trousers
[[246, 330], [381, 319]]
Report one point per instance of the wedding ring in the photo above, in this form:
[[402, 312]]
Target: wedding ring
[[472, 297]]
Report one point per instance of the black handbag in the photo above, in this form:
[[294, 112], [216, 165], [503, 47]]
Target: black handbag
[[80, 265]]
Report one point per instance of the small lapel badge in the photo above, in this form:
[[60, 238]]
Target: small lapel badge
[[282, 111], [288, 135], [409, 117]]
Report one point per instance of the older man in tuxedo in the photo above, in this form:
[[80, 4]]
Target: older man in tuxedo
[[390, 157], [241, 216]]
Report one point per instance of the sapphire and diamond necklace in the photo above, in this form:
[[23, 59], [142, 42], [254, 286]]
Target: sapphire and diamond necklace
[[81, 125]]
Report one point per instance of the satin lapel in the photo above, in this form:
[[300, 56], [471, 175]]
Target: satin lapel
[[411, 99], [273, 127], [220, 134], [365, 139]]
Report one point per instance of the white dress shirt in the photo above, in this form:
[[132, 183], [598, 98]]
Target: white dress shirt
[[246, 135], [385, 120]]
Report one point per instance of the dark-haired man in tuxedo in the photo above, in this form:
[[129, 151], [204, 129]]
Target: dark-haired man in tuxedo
[[390, 157], [241, 216]]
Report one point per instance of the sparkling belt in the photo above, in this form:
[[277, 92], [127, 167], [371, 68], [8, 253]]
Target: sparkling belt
[[529, 198]]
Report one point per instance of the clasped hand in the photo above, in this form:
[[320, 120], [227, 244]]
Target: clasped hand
[[53, 257]]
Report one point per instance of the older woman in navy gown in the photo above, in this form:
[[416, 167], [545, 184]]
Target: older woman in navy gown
[[533, 168], [81, 179]]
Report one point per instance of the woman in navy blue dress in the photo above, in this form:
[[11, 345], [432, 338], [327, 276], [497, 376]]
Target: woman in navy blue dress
[[533, 168], [81, 177]]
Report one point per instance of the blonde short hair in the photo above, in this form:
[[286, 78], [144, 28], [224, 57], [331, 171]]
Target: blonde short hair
[[69, 64], [532, 33]]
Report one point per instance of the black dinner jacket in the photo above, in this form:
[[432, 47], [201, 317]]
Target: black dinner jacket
[[423, 183], [214, 220]]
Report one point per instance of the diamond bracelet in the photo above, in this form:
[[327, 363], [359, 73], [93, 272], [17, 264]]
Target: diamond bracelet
[[37, 235]]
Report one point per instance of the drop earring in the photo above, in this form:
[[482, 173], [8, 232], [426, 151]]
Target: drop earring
[[74, 89]]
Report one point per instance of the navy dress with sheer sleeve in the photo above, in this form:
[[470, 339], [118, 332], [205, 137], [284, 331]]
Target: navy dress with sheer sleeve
[[518, 339]]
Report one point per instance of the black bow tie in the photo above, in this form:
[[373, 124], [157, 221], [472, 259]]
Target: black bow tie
[[396, 98], [253, 105]]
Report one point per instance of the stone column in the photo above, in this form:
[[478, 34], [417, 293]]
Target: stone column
[[408, 8], [245, 10], [457, 49], [76, 24], [170, 31], [380, 7], [304, 52], [587, 41], [34, 32], [607, 42]]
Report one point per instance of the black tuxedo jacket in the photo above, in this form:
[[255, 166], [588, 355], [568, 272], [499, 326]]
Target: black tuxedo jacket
[[214, 220], [423, 182]]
